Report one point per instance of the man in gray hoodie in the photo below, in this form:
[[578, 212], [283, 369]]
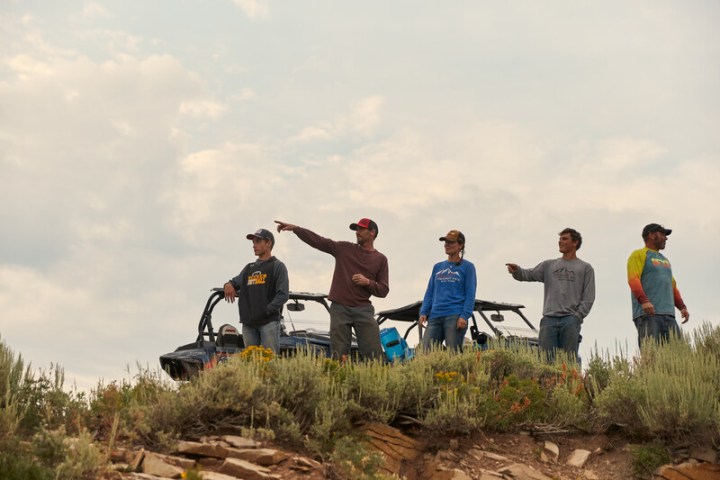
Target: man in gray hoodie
[[569, 294], [262, 288]]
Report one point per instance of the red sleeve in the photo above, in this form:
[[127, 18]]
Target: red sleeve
[[678, 298]]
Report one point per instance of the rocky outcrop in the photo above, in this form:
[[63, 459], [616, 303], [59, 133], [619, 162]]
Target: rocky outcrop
[[520, 457], [688, 471], [216, 458]]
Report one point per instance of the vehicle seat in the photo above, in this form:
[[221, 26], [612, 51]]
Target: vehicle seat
[[228, 336]]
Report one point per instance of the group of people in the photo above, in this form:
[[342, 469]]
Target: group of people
[[262, 288]]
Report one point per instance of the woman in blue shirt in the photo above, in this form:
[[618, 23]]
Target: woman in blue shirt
[[450, 296]]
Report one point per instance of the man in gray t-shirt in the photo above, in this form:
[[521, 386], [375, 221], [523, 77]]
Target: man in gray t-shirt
[[569, 294]]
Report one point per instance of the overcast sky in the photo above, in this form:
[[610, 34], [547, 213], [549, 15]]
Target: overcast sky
[[141, 141]]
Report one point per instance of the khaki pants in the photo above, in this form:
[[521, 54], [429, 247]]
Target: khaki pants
[[343, 320]]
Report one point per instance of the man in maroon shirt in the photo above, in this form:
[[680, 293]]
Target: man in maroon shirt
[[360, 271]]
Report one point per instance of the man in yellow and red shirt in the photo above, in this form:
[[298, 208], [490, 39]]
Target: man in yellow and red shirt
[[654, 291]]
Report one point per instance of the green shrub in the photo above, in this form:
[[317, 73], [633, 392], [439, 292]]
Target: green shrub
[[12, 375], [670, 392], [352, 459], [12, 379], [598, 371], [455, 413], [647, 458], [615, 392], [517, 401], [375, 389], [706, 339], [71, 458], [17, 462], [299, 384], [681, 390], [566, 408], [500, 362], [225, 395]]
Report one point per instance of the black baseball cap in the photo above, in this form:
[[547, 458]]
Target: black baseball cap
[[655, 227], [365, 223], [262, 233]]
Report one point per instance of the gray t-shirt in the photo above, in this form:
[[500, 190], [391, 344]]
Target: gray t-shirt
[[569, 286]]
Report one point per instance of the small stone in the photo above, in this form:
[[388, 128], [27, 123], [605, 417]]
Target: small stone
[[154, 465], [487, 475], [217, 476], [446, 455], [306, 462], [246, 470], [578, 458], [524, 472], [479, 454], [552, 451], [240, 442], [260, 456], [137, 461], [704, 453], [202, 449], [458, 474]]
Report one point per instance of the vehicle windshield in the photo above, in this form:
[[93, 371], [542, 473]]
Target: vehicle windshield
[[313, 317]]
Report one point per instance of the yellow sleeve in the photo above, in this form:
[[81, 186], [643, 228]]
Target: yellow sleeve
[[635, 266]]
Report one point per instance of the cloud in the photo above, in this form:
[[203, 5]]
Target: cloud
[[95, 10], [117, 42], [244, 95], [202, 109], [25, 66], [363, 119], [80, 131], [309, 134], [253, 8], [365, 115]]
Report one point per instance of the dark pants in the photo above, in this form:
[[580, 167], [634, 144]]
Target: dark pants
[[659, 327], [343, 320], [559, 333]]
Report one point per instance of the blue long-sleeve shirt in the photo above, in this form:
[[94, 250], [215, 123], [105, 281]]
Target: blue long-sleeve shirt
[[451, 290]]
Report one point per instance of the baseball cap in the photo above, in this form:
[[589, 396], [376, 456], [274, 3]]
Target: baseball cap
[[365, 223], [454, 236], [655, 227], [262, 233]]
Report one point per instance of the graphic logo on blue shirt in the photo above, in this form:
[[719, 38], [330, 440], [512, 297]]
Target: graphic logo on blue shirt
[[447, 275], [660, 262]]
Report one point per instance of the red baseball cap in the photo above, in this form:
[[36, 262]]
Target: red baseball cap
[[365, 223]]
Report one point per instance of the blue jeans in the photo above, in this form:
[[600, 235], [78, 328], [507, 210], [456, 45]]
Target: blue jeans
[[267, 335], [559, 333], [658, 327], [444, 328]]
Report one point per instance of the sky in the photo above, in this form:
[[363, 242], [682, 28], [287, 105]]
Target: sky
[[141, 141]]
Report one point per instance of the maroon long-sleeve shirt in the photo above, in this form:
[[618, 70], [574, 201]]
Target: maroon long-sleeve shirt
[[351, 258]]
